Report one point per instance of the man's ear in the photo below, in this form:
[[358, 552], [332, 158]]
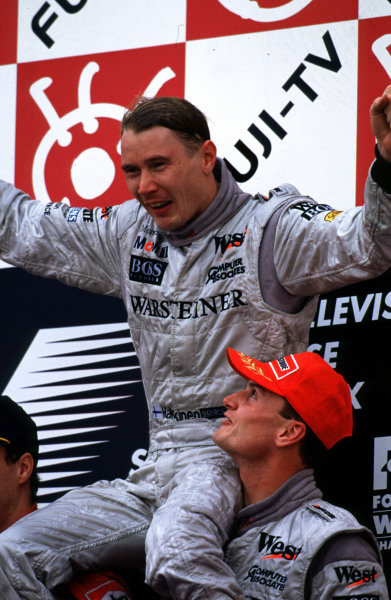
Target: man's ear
[[291, 433], [209, 153], [25, 465]]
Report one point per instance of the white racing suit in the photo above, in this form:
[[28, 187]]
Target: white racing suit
[[294, 545], [247, 280]]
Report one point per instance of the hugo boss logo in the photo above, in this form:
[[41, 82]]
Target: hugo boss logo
[[146, 270]]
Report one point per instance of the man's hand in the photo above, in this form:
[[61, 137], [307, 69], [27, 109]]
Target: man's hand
[[380, 114]]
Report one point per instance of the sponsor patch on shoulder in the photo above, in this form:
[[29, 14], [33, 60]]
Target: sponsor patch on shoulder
[[309, 210], [331, 215], [73, 214]]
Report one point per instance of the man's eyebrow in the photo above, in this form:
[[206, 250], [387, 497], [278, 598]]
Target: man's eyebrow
[[253, 384], [149, 161]]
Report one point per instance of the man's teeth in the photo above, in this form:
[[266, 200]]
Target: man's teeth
[[159, 204]]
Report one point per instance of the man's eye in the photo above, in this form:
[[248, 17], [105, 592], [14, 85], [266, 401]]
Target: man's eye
[[130, 172]]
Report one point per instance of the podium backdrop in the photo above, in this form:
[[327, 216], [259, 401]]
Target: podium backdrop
[[286, 86]]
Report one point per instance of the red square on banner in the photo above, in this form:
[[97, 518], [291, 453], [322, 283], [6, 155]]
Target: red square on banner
[[68, 128], [374, 73], [8, 32], [214, 18]]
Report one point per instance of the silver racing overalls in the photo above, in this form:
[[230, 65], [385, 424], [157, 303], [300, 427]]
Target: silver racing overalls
[[187, 300], [295, 545]]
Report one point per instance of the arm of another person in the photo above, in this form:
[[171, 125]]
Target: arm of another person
[[77, 246], [319, 250], [346, 567]]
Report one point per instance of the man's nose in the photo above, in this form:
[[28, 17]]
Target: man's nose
[[232, 401], [146, 183]]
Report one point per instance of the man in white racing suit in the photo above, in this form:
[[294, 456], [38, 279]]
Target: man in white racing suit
[[288, 542], [200, 265]]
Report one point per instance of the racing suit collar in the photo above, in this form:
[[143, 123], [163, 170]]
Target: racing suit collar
[[298, 489], [228, 200]]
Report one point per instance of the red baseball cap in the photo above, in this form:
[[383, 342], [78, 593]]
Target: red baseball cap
[[317, 393]]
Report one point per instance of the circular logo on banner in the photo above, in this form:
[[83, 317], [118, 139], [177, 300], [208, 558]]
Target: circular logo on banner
[[91, 166], [277, 10]]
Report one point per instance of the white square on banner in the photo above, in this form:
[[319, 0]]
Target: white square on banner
[[374, 8], [55, 30], [296, 90]]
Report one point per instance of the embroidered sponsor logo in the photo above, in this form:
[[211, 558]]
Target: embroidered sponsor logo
[[180, 309], [354, 576], [331, 215], [210, 412], [225, 271], [358, 597], [146, 270], [309, 210], [48, 209], [275, 547], [88, 215], [110, 590], [73, 214], [149, 230], [282, 364], [271, 579], [157, 247], [282, 367], [324, 511], [223, 243], [106, 211]]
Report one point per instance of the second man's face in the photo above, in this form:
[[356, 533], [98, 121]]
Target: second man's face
[[252, 422], [162, 175]]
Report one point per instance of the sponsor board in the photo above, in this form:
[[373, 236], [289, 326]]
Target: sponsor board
[[382, 491]]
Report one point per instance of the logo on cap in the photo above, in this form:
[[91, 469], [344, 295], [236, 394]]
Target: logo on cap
[[284, 366]]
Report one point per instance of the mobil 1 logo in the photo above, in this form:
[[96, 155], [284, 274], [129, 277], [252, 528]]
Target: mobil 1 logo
[[146, 270], [382, 491]]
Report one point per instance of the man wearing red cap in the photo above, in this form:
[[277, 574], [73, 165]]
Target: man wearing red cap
[[288, 542]]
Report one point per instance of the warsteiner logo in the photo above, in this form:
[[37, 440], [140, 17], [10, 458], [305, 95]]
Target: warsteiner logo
[[228, 241], [276, 548]]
